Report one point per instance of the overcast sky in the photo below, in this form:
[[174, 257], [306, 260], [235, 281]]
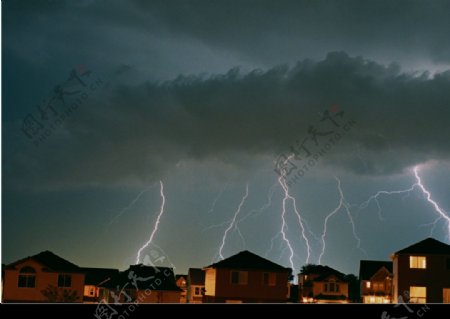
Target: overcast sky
[[103, 100]]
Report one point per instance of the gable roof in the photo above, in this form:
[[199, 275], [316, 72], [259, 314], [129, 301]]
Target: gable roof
[[247, 260], [429, 246], [368, 268], [51, 261], [95, 276], [323, 272], [143, 277], [196, 276]]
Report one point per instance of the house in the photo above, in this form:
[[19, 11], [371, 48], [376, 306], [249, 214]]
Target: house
[[376, 281], [181, 283], [195, 285], [246, 277], [44, 277], [322, 284], [143, 284], [93, 278], [422, 272]]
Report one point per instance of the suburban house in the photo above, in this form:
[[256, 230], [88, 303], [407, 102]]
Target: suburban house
[[143, 284], [246, 277], [376, 281], [92, 279], [322, 284], [195, 285], [422, 272], [181, 283], [44, 277]]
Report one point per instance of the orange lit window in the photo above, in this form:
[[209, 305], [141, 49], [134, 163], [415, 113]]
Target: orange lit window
[[417, 294], [418, 262]]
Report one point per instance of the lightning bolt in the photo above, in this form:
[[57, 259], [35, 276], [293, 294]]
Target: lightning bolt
[[257, 212], [155, 229], [442, 214], [129, 206], [343, 204], [213, 205], [232, 222], [289, 197]]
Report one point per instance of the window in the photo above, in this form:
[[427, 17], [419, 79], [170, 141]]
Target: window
[[64, 280], [417, 262], [331, 287], [239, 277], [269, 279], [27, 277], [417, 294], [92, 292], [198, 291], [368, 284]]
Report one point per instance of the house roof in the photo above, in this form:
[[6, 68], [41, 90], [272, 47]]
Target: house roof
[[247, 260], [323, 272], [51, 261], [196, 276], [143, 277], [95, 276], [429, 246], [368, 268]]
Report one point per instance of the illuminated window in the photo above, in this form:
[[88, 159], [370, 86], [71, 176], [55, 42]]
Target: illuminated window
[[269, 279], [64, 280], [92, 292], [368, 284], [417, 294], [417, 262], [27, 277], [239, 277], [198, 291]]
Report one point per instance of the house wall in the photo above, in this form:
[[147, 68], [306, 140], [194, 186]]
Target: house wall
[[435, 277], [210, 282], [318, 288], [253, 291], [395, 279], [12, 292], [193, 298], [156, 296]]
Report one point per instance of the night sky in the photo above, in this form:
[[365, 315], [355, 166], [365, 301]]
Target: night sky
[[102, 100]]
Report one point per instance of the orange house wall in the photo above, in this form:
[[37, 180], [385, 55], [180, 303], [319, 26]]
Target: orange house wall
[[12, 293], [254, 289]]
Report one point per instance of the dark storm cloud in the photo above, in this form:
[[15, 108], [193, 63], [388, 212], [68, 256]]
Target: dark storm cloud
[[129, 133], [271, 31], [166, 37]]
